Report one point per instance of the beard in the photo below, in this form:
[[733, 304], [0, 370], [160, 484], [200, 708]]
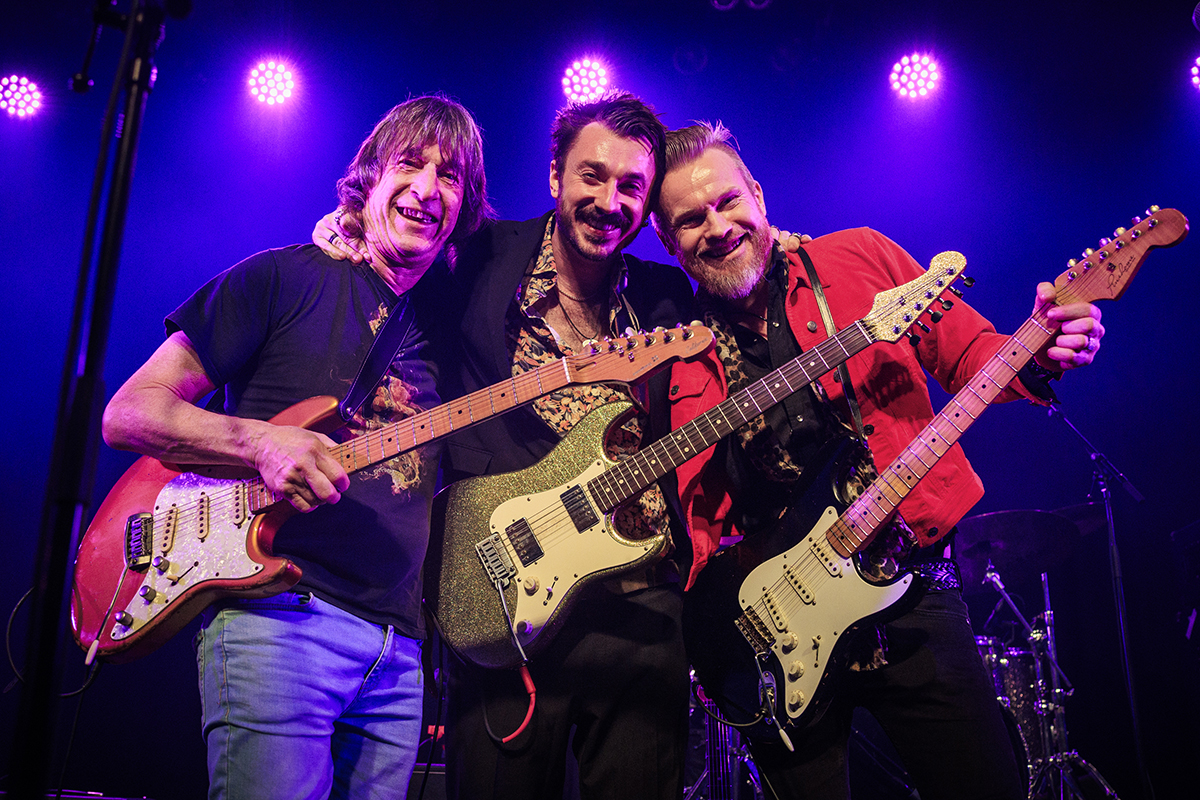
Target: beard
[[733, 278], [577, 239]]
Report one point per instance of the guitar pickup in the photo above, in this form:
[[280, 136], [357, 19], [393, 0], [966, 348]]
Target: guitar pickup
[[523, 541], [773, 609], [139, 540], [799, 585], [496, 562], [755, 632], [821, 549], [576, 503]]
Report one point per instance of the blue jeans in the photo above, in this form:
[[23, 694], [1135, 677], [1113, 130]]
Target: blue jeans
[[300, 699]]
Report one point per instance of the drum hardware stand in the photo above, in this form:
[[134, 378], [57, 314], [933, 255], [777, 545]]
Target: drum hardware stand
[[1105, 473], [1052, 776]]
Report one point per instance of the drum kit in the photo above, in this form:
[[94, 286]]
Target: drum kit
[[1030, 685]]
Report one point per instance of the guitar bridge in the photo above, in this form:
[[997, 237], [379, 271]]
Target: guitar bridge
[[496, 562], [139, 540], [756, 633]]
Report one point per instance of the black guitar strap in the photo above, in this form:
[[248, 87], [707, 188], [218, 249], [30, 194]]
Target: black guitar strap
[[383, 351], [843, 374]]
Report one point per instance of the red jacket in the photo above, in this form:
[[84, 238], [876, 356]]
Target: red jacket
[[889, 380]]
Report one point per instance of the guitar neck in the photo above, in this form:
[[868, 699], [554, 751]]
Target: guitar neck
[[412, 432], [624, 480], [855, 529]]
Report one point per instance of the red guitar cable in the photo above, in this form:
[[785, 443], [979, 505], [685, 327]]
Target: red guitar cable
[[532, 692]]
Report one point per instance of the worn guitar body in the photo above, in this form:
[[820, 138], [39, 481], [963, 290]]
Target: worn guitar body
[[786, 601], [836, 598], [542, 531], [167, 542], [210, 546]]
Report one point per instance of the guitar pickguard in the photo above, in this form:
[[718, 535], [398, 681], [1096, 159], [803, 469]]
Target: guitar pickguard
[[546, 557], [811, 597], [200, 534]]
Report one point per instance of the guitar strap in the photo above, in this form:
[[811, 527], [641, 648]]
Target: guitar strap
[[843, 374], [383, 351]]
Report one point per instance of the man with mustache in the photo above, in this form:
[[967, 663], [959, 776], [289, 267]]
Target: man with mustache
[[920, 675], [318, 691]]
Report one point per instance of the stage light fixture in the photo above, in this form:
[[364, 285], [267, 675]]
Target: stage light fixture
[[271, 82], [914, 76], [585, 80], [19, 96], [1196, 69]]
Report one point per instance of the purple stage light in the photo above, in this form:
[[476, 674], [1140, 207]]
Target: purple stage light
[[271, 82], [585, 80], [19, 96], [1196, 71], [914, 76]]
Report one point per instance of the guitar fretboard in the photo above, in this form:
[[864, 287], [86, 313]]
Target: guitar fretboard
[[412, 432], [624, 480], [864, 517]]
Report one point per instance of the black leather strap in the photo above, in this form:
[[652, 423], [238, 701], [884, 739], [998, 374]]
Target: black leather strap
[[830, 329], [383, 350]]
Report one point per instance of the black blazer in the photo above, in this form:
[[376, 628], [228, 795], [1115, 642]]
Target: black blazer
[[489, 269]]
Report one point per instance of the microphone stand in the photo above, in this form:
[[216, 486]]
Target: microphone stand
[[1104, 473], [70, 483]]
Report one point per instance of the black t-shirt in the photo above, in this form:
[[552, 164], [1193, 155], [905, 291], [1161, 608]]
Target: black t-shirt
[[288, 324]]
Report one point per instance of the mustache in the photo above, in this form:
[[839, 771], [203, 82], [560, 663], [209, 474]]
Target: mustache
[[599, 219], [724, 246]]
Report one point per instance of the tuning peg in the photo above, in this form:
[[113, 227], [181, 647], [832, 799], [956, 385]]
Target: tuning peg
[[957, 292], [1088, 252], [1105, 242], [1119, 231], [1152, 210], [968, 282], [936, 316], [916, 340], [923, 326], [1136, 220]]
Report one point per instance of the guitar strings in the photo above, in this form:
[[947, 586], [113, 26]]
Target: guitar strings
[[812, 573]]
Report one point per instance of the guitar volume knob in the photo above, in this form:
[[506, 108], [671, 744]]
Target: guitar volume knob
[[795, 698], [788, 642], [795, 669], [530, 585]]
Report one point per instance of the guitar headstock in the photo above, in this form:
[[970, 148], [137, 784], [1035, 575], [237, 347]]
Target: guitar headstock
[[627, 358], [1104, 273], [896, 310]]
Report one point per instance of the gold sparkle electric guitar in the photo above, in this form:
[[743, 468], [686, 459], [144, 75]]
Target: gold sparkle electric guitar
[[515, 550]]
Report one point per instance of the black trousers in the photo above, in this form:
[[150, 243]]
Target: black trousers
[[616, 677], [934, 700]]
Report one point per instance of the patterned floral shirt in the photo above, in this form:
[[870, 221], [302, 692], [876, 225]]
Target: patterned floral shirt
[[532, 343]]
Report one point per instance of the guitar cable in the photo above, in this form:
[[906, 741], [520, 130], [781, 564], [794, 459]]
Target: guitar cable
[[526, 678], [93, 671]]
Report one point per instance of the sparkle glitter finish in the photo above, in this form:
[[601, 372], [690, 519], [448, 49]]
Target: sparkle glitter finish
[[468, 607]]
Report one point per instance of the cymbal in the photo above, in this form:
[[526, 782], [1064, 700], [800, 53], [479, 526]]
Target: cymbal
[[1020, 544]]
